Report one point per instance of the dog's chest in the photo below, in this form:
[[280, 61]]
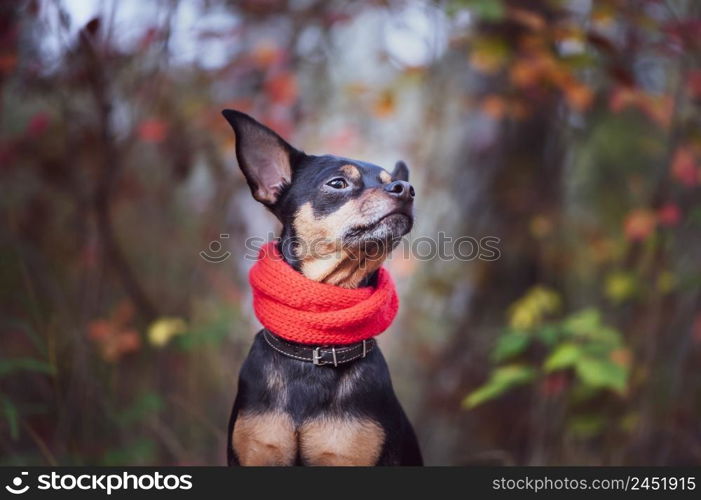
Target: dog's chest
[[273, 438], [309, 418]]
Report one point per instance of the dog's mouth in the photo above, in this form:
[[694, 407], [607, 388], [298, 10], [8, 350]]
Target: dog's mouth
[[388, 228]]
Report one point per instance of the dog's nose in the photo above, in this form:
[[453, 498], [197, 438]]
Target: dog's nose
[[401, 189]]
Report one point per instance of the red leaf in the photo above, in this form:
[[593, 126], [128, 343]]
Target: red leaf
[[622, 75], [696, 329], [38, 124], [669, 214], [600, 42], [553, 384], [684, 167], [282, 88], [153, 130], [693, 83]]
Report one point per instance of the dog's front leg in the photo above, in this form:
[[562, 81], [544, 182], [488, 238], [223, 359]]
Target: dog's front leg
[[341, 440], [264, 439]]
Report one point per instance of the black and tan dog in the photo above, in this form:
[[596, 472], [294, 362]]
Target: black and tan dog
[[321, 412]]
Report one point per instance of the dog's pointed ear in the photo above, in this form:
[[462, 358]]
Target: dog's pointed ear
[[264, 157], [401, 171]]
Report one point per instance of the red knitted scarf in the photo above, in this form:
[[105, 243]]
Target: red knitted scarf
[[305, 311]]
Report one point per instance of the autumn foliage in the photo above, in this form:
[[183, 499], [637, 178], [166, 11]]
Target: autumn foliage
[[569, 130]]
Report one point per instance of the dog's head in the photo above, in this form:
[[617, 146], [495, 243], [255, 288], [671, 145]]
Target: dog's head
[[340, 217]]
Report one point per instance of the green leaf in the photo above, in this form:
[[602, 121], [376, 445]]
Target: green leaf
[[502, 379], [13, 365], [606, 335], [582, 322], [509, 345], [564, 356], [488, 10], [12, 417], [602, 373], [548, 334], [481, 395]]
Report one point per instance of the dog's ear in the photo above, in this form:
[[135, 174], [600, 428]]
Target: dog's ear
[[264, 157], [401, 171]]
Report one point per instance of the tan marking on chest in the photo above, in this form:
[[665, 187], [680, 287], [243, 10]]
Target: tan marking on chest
[[341, 441], [265, 439]]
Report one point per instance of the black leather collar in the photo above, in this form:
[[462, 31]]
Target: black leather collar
[[319, 355]]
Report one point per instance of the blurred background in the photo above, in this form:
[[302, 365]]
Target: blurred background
[[568, 129]]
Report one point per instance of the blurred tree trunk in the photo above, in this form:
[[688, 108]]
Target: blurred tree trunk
[[110, 156]]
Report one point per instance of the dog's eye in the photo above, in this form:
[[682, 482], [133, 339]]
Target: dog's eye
[[337, 183]]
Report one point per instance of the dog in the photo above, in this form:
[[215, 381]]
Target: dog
[[301, 404]]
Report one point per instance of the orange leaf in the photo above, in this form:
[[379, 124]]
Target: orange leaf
[[524, 73], [621, 356], [639, 224], [621, 98], [99, 330], [659, 109], [282, 88], [384, 106], [494, 106], [266, 54], [129, 341], [579, 96]]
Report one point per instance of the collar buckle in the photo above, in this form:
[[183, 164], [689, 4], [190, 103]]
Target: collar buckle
[[316, 357]]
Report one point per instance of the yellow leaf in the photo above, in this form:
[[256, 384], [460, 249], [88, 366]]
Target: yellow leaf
[[163, 330], [530, 310], [489, 55], [619, 286]]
